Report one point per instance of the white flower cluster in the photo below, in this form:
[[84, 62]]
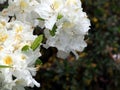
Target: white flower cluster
[[66, 24], [65, 27], [13, 37], [17, 66]]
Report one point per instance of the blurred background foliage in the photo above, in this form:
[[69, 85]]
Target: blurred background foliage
[[98, 67]]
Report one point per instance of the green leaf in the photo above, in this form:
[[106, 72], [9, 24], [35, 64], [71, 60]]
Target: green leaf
[[25, 48], [59, 16], [37, 42], [52, 32], [4, 66], [41, 19], [38, 62]]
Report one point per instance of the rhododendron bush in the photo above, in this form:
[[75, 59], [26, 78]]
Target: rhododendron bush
[[65, 26]]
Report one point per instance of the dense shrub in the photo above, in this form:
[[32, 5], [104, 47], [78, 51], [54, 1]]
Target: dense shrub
[[96, 68]]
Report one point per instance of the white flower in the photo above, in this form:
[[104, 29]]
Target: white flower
[[20, 8], [71, 29], [22, 68], [71, 24], [14, 36], [49, 10], [20, 34]]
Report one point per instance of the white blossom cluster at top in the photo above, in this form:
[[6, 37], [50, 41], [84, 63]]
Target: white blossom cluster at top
[[65, 27]]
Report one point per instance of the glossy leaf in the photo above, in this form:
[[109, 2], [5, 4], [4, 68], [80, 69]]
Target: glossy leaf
[[25, 48], [37, 42]]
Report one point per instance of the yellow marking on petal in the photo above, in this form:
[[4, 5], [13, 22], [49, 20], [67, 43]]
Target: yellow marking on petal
[[23, 4], [68, 2], [18, 37], [3, 37], [56, 5], [23, 57], [68, 25], [8, 60], [16, 47], [1, 48], [19, 29], [3, 23]]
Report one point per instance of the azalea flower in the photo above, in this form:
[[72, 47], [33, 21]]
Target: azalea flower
[[22, 68], [49, 10], [65, 26], [14, 36], [21, 9], [71, 29]]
